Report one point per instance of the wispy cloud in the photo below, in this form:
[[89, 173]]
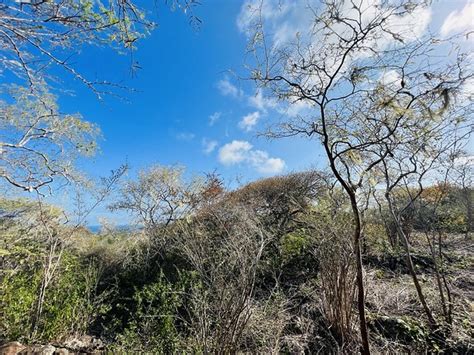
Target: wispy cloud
[[227, 88], [261, 102], [291, 21], [287, 20], [237, 152], [249, 121], [208, 146], [459, 20], [214, 118], [185, 136]]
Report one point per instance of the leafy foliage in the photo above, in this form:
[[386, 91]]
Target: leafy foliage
[[70, 307], [39, 143]]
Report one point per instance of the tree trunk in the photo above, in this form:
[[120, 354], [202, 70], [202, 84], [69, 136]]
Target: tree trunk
[[365, 349], [441, 280], [467, 192], [351, 192], [411, 266]]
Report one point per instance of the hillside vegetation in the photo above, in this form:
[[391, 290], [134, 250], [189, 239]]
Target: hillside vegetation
[[266, 268]]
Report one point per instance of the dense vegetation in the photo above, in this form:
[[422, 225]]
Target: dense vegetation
[[265, 268]]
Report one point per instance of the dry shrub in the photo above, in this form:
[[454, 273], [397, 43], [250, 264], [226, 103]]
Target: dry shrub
[[337, 274], [224, 246], [390, 294], [268, 320]]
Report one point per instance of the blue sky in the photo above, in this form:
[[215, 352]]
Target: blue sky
[[188, 103], [192, 105]]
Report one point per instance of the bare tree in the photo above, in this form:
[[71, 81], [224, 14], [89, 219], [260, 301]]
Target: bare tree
[[416, 153], [463, 171], [159, 197], [437, 221], [339, 69]]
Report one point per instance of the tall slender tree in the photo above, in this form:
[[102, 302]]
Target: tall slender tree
[[361, 71]]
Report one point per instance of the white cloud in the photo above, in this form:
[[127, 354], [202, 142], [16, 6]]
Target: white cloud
[[467, 160], [467, 90], [234, 152], [458, 21], [249, 121], [289, 21], [268, 10], [261, 102], [237, 152], [185, 136], [410, 26], [296, 109], [264, 104], [264, 164], [285, 20], [214, 118], [226, 88], [209, 145], [391, 79]]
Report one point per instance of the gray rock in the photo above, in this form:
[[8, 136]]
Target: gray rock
[[84, 343], [38, 350], [48, 350]]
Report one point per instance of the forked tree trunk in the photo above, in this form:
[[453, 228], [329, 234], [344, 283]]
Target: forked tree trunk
[[49, 270], [365, 349], [351, 192], [446, 301]]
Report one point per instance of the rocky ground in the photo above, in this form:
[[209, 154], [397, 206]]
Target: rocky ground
[[82, 345]]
